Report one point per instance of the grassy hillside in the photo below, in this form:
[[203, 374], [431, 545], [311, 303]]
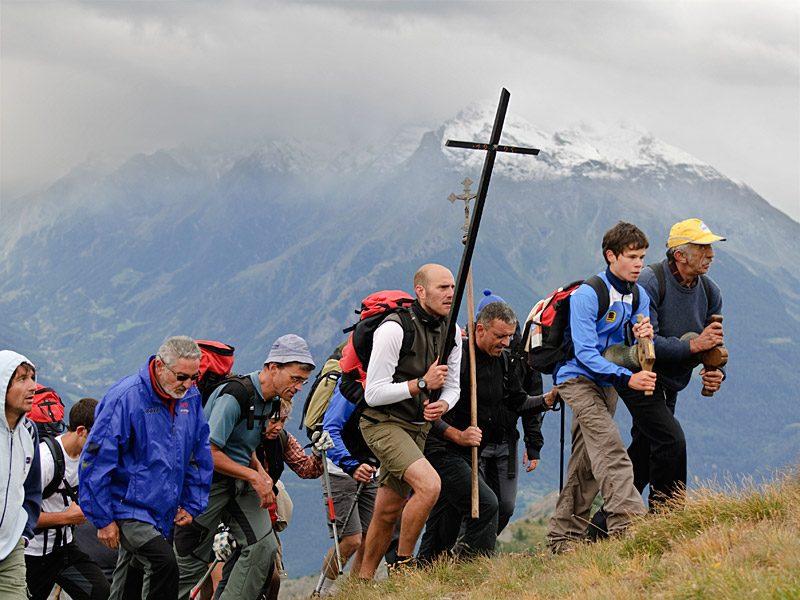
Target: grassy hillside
[[728, 543]]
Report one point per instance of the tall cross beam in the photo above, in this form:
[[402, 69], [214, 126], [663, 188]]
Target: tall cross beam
[[492, 148]]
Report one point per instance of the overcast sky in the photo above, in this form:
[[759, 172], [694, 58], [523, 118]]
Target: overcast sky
[[721, 80]]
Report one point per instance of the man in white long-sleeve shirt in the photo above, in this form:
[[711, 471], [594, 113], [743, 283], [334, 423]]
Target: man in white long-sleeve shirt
[[399, 414]]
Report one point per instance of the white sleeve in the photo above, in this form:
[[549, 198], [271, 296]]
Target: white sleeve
[[379, 389], [451, 391]]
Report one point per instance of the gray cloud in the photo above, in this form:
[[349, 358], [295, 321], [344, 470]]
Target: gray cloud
[[720, 80]]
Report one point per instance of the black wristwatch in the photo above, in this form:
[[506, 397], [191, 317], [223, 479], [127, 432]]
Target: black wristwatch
[[422, 384]]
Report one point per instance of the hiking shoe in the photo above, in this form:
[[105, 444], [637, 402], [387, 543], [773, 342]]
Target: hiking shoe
[[402, 566], [562, 546]]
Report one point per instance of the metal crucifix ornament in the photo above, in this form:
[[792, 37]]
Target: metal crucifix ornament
[[491, 149], [466, 197]]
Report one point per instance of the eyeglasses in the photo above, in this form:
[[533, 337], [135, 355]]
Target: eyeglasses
[[180, 376], [296, 379]]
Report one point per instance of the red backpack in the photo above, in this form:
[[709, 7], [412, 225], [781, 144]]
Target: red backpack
[[47, 412], [374, 309], [215, 366]]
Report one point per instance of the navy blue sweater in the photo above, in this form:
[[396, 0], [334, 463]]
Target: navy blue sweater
[[682, 310]]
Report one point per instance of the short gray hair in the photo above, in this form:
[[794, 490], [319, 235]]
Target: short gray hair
[[685, 248], [496, 310], [177, 347]]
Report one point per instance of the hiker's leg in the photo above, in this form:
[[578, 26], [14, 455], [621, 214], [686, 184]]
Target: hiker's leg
[[480, 534], [388, 508], [398, 445], [41, 573], [611, 465], [252, 529], [441, 528], [570, 520], [143, 542], [193, 542], [505, 487], [664, 439], [424, 479], [81, 578], [639, 453], [343, 492], [12, 574]]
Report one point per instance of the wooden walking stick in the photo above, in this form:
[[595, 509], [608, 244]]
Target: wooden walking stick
[[473, 383], [647, 353]]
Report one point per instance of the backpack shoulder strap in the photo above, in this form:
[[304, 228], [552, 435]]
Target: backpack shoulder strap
[[406, 321], [658, 269], [706, 286], [59, 466], [283, 441], [242, 388], [600, 288]]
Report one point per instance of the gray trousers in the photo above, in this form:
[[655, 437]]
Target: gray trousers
[[599, 461], [141, 546], [235, 503], [494, 468]]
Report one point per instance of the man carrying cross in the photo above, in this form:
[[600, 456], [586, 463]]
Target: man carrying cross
[[398, 418], [448, 449]]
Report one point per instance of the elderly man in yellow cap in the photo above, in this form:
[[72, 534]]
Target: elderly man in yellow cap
[[682, 299]]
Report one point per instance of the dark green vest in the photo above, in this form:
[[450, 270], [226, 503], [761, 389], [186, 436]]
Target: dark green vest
[[414, 365]]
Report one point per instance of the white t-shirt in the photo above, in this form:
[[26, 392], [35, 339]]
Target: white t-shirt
[[54, 503]]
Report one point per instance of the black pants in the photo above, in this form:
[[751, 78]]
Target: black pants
[[442, 527], [658, 447], [69, 567]]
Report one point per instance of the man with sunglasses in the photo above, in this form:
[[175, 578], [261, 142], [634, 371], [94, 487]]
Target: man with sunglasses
[[241, 487], [147, 465]]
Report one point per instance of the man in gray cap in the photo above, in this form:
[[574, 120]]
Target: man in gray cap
[[241, 487]]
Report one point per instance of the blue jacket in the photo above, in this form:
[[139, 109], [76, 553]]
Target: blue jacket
[[591, 337], [339, 410], [145, 458]]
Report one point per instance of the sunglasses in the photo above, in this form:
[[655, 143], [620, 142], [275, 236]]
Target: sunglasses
[[180, 376]]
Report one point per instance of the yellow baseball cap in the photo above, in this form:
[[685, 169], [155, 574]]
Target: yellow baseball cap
[[691, 231]]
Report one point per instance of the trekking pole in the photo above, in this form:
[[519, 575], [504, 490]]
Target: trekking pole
[[561, 462], [196, 589], [321, 580], [330, 508]]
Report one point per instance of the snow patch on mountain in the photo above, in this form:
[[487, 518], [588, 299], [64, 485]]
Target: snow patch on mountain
[[595, 150]]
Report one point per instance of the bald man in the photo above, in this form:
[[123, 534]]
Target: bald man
[[400, 412]]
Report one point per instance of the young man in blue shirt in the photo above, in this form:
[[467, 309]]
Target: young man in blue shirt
[[586, 383]]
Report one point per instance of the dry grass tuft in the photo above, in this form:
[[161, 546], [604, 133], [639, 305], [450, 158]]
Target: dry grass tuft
[[728, 542]]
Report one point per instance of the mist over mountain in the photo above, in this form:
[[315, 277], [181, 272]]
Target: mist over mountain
[[245, 243]]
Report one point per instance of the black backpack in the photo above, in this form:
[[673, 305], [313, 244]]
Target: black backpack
[[241, 387], [57, 485]]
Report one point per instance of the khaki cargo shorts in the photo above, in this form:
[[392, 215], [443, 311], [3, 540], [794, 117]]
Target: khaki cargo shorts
[[396, 443]]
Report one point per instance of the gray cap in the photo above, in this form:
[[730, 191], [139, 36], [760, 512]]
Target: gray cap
[[290, 348]]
